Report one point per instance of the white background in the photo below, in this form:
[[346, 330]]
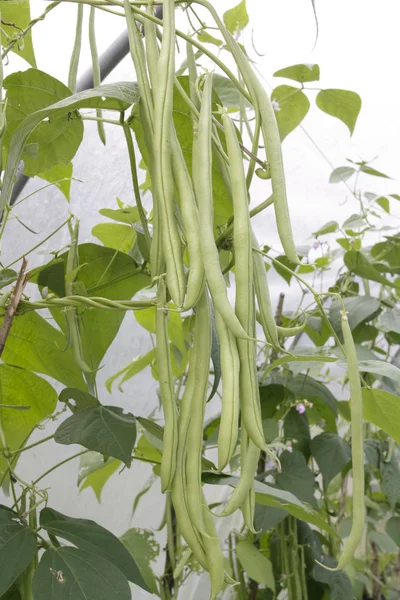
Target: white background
[[357, 49]]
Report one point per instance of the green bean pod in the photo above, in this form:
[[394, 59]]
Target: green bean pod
[[248, 506], [244, 301], [152, 50], [199, 399], [292, 331], [230, 365], [267, 319], [357, 449], [163, 106], [248, 470], [167, 393], [202, 180], [96, 69], [192, 68], [190, 217], [179, 487], [76, 51], [213, 551]]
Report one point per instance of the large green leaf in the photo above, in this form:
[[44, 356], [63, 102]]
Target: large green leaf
[[341, 174], [236, 18], [24, 389], [296, 427], [295, 477], [104, 429], [116, 96], [17, 14], [304, 386], [390, 320], [7, 276], [61, 176], [144, 549], [359, 309], [257, 566], [382, 409], [271, 496], [291, 106], [17, 548], [380, 367], [393, 529], [338, 582], [332, 454], [116, 236], [74, 574], [35, 345], [358, 264], [303, 73], [90, 537], [106, 273], [342, 104], [55, 140], [267, 517], [132, 369]]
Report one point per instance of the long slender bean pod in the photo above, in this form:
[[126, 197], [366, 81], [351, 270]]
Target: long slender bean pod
[[244, 302], [229, 425], [192, 68], [202, 179], [199, 399], [241, 492], [76, 51], [163, 106], [357, 449], [190, 217], [96, 69], [267, 318], [248, 506], [213, 551], [179, 487], [152, 51], [167, 393], [270, 132]]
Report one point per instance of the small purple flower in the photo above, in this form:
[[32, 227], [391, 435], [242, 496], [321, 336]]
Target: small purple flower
[[315, 245], [301, 409]]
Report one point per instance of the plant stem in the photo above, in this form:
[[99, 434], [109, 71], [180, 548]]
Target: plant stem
[[60, 464], [20, 450], [100, 120]]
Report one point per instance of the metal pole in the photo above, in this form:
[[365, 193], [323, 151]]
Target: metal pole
[[108, 61]]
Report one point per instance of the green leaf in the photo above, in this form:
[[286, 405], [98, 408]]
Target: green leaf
[[128, 215], [382, 409], [383, 541], [358, 264], [236, 18], [105, 273], [390, 473], [303, 73], [7, 276], [304, 386], [340, 587], [92, 538], [56, 139], [390, 320], [342, 104], [117, 96], [146, 451], [94, 472], [104, 429], [205, 38], [17, 13], [341, 174], [309, 361], [256, 565], [270, 496], [61, 176], [332, 454], [379, 367], [135, 367], [113, 235], [374, 172], [81, 400], [24, 389], [144, 549], [330, 227], [384, 203], [296, 428], [227, 92], [12, 594], [72, 573], [393, 529], [268, 517], [35, 345], [17, 549], [282, 272], [291, 106], [296, 477], [147, 318], [359, 308]]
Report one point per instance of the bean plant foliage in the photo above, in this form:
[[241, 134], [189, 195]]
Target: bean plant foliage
[[294, 413]]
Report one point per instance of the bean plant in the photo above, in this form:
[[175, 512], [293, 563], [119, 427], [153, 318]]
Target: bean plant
[[296, 413]]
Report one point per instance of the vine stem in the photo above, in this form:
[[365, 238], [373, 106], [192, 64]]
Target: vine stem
[[20, 450], [60, 464]]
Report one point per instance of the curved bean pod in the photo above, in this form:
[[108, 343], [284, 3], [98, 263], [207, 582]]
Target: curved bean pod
[[202, 179], [167, 393], [76, 51], [229, 425], [241, 491], [96, 69], [213, 551]]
